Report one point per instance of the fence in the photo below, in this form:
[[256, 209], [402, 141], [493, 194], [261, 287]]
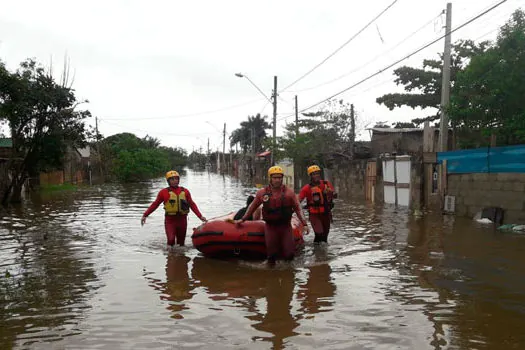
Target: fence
[[508, 159]]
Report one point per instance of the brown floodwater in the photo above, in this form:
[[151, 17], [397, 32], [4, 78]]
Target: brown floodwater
[[77, 271]]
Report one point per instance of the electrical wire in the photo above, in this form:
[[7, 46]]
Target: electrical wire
[[339, 48], [372, 60], [401, 59]]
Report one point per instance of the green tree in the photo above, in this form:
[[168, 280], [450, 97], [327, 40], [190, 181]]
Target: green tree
[[128, 158], [44, 121], [423, 85], [488, 97], [251, 135], [326, 135], [198, 160]]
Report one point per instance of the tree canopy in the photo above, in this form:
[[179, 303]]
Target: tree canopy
[[488, 96], [44, 120]]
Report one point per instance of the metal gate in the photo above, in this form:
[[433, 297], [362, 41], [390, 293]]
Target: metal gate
[[396, 180]]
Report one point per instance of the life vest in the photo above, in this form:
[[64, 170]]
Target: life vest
[[176, 205], [322, 200], [277, 210]]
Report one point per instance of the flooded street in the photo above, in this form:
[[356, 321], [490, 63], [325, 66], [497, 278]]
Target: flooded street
[[79, 272]]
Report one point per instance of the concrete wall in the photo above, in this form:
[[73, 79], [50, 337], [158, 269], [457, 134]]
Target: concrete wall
[[476, 191], [402, 143], [349, 178]]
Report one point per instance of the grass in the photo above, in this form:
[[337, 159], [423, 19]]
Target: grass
[[58, 188]]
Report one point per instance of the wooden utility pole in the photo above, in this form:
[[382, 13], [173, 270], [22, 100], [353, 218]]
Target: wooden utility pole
[[296, 118], [274, 141], [352, 130], [224, 146], [97, 139], [445, 89]]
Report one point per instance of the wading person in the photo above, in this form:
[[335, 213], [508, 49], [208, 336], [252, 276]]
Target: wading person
[[177, 204], [319, 195], [278, 205]]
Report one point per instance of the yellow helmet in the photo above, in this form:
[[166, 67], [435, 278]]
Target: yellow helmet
[[275, 170], [172, 173], [313, 169]]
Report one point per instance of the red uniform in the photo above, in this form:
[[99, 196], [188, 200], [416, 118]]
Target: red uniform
[[319, 199], [279, 204], [175, 223]]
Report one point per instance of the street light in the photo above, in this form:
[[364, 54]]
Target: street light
[[251, 82], [273, 100]]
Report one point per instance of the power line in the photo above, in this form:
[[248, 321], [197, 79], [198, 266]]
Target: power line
[[372, 60], [158, 133], [400, 60], [340, 47], [191, 114]]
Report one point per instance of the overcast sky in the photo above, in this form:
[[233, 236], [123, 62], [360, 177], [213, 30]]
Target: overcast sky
[[166, 68]]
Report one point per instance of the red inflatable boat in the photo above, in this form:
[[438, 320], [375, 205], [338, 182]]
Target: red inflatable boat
[[221, 238]]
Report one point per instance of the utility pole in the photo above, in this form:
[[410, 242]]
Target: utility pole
[[208, 146], [295, 166], [445, 89], [98, 148], [96, 127], [274, 97], [252, 134], [296, 118], [352, 130], [224, 146]]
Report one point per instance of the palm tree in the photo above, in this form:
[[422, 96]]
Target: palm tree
[[251, 134]]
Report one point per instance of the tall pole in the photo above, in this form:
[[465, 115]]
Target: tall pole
[[445, 89], [252, 134], [296, 118], [274, 141], [352, 130], [296, 165], [224, 146], [96, 127], [98, 147]]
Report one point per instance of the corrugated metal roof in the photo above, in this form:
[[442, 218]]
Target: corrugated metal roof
[[6, 142], [396, 130]]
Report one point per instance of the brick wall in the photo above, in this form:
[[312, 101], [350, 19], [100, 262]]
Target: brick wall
[[476, 191]]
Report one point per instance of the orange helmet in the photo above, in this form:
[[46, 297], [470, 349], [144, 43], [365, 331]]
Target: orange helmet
[[172, 173], [313, 169], [275, 170]]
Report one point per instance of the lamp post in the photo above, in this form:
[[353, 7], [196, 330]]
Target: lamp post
[[273, 100]]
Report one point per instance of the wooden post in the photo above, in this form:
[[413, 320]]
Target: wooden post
[[395, 180]]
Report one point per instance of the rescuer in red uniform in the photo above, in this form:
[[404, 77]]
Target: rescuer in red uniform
[[319, 195], [177, 204], [278, 205]]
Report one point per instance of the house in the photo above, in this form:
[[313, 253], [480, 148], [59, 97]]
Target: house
[[76, 168], [402, 140]]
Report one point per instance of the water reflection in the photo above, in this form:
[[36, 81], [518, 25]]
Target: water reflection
[[47, 274], [277, 320], [265, 293], [317, 294], [177, 288]]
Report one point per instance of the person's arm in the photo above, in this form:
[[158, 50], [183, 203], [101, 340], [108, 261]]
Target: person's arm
[[297, 209], [331, 187], [153, 207], [193, 205], [303, 193]]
